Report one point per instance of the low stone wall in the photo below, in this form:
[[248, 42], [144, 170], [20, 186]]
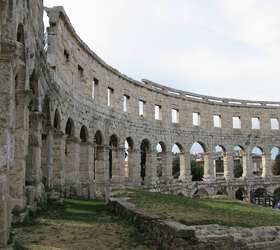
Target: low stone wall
[[169, 235]]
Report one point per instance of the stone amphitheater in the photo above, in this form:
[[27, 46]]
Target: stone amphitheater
[[72, 125]]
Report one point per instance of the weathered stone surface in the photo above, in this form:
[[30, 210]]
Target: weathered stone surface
[[57, 131]]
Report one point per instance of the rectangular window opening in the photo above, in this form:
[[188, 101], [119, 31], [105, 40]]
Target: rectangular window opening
[[158, 113], [175, 115], [256, 123], [236, 122], [217, 120], [109, 96], [141, 108], [196, 119], [274, 123], [125, 102]]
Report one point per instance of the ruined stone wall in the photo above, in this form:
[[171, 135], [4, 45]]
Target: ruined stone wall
[[55, 135]]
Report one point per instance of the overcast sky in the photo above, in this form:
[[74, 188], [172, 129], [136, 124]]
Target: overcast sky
[[225, 48]]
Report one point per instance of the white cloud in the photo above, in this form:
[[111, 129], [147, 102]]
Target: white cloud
[[223, 48]]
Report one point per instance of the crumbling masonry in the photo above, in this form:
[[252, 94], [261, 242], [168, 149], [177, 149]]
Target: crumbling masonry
[[73, 125]]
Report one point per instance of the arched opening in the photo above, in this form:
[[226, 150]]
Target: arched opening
[[222, 191], [145, 149], [197, 152], [275, 157], [84, 134], [113, 155], [276, 195], [47, 143], [219, 163], [20, 33], [128, 161], [178, 161], [258, 161], [70, 128], [70, 132], [240, 194], [200, 193], [238, 160], [57, 120], [99, 164], [161, 150]]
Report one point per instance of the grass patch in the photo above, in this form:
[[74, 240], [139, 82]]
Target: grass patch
[[79, 225], [196, 211]]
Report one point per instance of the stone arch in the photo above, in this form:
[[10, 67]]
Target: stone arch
[[113, 156], [70, 128], [178, 161], [239, 161], [98, 138], [128, 161], [200, 193], [240, 194], [84, 134], [34, 104], [145, 151], [220, 160], [276, 194], [57, 120], [198, 160], [160, 159], [258, 160], [20, 33]]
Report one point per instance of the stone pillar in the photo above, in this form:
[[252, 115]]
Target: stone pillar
[[151, 169], [58, 161], [185, 166], [4, 211], [86, 170], [17, 173], [101, 170], [247, 165], [118, 178], [209, 167], [167, 160], [134, 167], [228, 166], [47, 160], [267, 166], [72, 162]]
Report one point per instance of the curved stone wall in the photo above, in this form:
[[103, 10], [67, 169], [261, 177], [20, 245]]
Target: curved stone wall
[[57, 134], [76, 68]]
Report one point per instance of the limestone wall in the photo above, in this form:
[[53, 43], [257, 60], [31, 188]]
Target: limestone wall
[[57, 134]]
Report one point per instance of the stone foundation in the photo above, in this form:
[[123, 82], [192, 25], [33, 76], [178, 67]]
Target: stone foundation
[[168, 235]]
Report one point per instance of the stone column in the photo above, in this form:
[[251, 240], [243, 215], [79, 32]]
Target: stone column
[[4, 211], [118, 156], [17, 173], [228, 166], [72, 162], [86, 170], [247, 165], [47, 160], [33, 168], [59, 161], [209, 167], [134, 167], [185, 166], [167, 160], [267, 166], [101, 170], [151, 169]]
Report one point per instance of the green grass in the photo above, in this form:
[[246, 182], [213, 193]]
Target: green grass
[[79, 225], [196, 211]]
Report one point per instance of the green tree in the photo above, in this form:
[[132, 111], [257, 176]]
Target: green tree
[[197, 171], [238, 169], [276, 166]]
